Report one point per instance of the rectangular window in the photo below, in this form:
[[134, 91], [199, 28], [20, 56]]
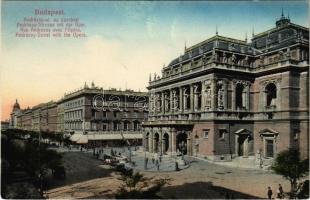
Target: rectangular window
[[269, 148], [206, 133]]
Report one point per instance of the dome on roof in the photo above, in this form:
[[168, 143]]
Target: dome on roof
[[16, 106]]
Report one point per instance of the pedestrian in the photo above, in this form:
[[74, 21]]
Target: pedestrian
[[176, 166], [281, 192], [145, 162], [153, 160], [269, 192], [157, 165], [160, 158]]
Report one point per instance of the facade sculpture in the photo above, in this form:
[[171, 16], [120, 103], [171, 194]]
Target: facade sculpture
[[243, 97]]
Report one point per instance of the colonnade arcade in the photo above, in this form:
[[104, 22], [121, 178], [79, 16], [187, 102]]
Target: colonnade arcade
[[166, 140], [205, 95]]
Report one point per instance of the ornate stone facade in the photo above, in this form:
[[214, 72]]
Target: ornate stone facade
[[100, 115], [232, 98]]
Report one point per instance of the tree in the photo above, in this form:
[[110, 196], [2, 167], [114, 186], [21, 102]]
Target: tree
[[291, 167], [136, 186]]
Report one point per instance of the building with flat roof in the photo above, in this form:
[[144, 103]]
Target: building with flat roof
[[91, 114], [102, 115]]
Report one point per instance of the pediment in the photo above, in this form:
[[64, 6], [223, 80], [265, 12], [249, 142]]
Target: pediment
[[242, 131], [268, 132]]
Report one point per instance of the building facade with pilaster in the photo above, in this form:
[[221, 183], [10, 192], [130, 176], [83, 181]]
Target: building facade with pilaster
[[104, 115], [226, 98]]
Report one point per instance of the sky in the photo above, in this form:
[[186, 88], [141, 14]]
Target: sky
[[126, 41]]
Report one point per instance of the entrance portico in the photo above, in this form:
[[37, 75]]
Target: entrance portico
[[168, 140]]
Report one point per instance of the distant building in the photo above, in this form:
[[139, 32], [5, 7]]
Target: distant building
[[226, 98], [60, 117], [14, 113], [24, 119], [5, 125], [105, 114], [92, 115], [49, 117]]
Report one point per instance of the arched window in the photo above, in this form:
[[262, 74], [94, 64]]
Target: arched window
[[126, 123], [240, 96], [136, 125], [115, 126], [271, 94]]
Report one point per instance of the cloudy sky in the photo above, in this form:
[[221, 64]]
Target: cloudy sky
[[126, 41]]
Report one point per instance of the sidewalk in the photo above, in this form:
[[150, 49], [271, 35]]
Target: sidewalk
[[239, 162]]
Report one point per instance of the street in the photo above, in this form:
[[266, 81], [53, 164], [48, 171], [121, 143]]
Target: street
[[88, 178]]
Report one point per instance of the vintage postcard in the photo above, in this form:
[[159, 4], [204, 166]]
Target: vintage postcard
[[154, 99]]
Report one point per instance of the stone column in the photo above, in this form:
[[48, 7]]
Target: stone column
[[225, 94], [181, 99], [236, 144], [213, 94], [154, 144], [192, 97], [188, 145], [151, 103], [262, 97], [233, 98], [174, 100], [170, 139], [195, 98], [171, 101], [162, 102], [173, 140], [151, 139], [278, 102], [166, 103], [245, 147], [248, 98], [203, 96], [161, 146], [184, 100]]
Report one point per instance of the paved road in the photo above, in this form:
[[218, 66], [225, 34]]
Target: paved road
[[88, 178]]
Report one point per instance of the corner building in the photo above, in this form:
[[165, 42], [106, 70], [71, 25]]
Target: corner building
[[226, 98]]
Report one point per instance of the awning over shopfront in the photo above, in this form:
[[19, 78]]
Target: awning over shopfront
[[79, 138]]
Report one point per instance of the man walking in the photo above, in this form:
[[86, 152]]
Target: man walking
[[281, 192], [269, 192]]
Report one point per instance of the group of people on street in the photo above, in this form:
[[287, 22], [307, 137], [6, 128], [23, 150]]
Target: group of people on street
[[280, 192], [156, 160]]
